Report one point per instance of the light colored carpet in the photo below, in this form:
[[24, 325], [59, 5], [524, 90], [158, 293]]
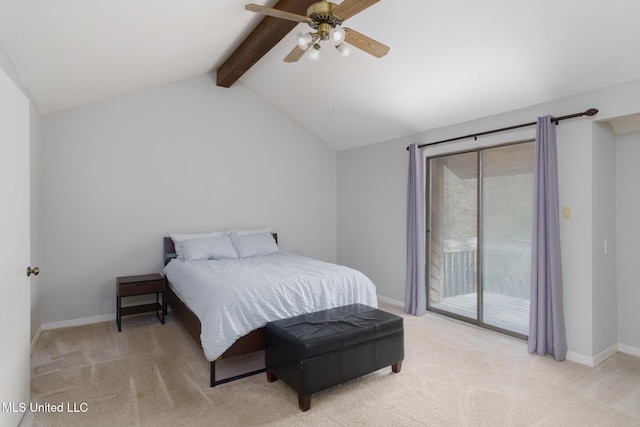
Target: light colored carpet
[[453, 374]]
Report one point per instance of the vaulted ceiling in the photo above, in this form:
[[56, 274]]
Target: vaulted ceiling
[[450, 61]]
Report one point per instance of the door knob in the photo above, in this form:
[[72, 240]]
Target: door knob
[[35, 271]]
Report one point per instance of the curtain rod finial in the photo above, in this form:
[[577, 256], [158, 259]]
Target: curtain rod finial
[[591, 112]]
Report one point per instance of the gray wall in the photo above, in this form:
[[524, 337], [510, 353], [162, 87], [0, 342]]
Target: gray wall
[[120, 174], [371, 205], [371, 226], [7, 66]]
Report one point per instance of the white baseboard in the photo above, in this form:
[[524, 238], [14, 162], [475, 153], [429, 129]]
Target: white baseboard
[[68, 323], [391, 301], [35, 339], [572, 356], [78, 322], [599, 358], [580, 358], [605, 354], [634, 351]]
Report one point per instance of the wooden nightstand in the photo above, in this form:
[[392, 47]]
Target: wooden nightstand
[[127, 286]]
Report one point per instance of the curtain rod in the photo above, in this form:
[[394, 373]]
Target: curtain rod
[[590, 112]]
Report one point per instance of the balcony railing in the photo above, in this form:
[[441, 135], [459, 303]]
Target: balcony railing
[[459, 267], [507, 267]]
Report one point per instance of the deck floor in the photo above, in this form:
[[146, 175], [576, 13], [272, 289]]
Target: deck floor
[[502, 311]]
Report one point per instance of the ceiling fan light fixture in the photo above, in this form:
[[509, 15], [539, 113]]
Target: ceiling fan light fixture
[[314, 52], [338, 35], [343, 49], [325, 19], [304, 40]]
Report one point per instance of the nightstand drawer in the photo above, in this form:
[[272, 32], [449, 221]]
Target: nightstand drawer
[[138, 288]]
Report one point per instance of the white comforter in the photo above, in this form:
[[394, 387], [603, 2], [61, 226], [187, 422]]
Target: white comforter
[[234, 297]]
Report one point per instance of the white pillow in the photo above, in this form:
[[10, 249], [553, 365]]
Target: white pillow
[[179, 238], [208, 248], [250, 245], [247, 231]]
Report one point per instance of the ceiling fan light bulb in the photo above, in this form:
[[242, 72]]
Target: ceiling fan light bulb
[[314, 54], [304, 40], [343, 49], [338, 35]]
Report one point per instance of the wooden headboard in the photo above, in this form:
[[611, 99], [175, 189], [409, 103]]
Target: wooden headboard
[[170, 249]]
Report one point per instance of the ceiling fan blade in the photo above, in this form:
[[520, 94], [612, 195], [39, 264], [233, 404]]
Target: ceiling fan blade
[[277, 13], [348, 8], [295, 54], [365, 43]]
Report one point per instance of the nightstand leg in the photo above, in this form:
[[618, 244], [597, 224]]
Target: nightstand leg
[[160, 308], [118, 319], [164, 308]]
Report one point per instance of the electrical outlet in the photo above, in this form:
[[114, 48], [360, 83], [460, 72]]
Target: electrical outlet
[[607, 247], [567, 212]]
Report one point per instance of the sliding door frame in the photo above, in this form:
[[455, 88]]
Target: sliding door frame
[[480, 237]]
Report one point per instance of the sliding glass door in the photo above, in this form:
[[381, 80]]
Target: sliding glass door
[[479, 239], [454, 234]]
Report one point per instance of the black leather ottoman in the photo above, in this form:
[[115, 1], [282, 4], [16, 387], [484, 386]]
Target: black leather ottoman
[[315, 351]]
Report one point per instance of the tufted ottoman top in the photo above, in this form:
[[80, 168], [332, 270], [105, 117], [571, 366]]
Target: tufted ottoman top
[[324, 331]]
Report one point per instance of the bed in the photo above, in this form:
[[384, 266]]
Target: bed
[[224, 304]]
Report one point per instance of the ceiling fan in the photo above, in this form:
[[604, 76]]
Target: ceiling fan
[[326, 19]]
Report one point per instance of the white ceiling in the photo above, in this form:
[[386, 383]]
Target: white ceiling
[[450, 60]]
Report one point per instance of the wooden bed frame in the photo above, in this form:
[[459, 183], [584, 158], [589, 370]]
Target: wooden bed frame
[[253, 341]]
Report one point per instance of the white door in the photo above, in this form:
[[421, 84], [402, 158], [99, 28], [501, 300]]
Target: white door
[[14, 252]]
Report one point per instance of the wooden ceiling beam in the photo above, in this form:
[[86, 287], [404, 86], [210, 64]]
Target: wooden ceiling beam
[[261, 40]]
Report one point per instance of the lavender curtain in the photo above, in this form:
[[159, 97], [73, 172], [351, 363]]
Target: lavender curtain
[[415, 295], [546, 317]]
